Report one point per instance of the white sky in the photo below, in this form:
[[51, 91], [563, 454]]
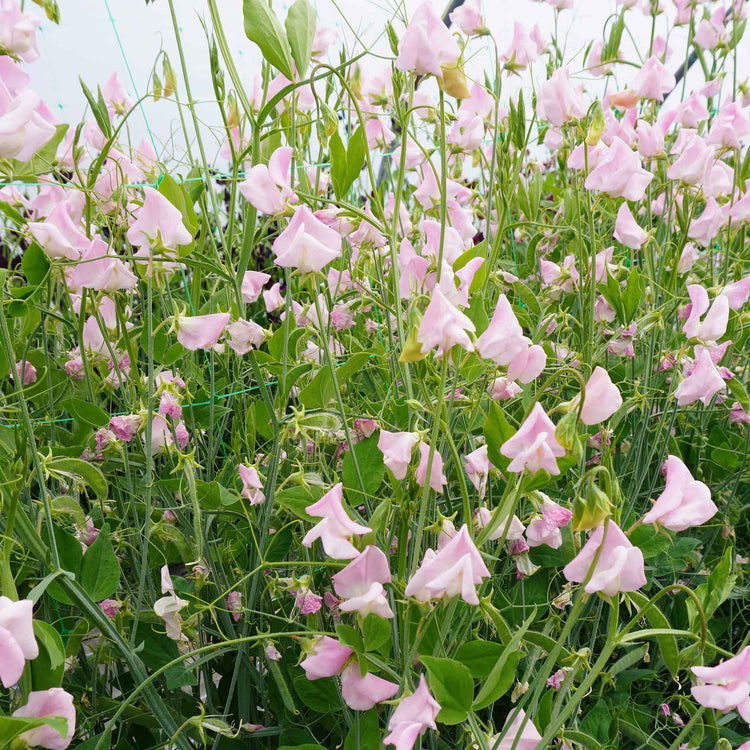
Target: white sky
[[87, 44]]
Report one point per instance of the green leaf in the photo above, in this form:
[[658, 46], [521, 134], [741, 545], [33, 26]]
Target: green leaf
[[346, 162], [497, 430], [479, 657], [657, 619], [86, 412], [47, 669], [321, 696], [321, 390], [296, 499], [12, 726], [649, 540], [100, 571], [740, 393], [355, 155], [338, 164], [715, 591], [348, 636], [300, 31], [263, 27], [503, 673], [372, 469], [35, 264], [97, 109], [177, 196], [90, 474], [377, 632], [632, 296], [451, 684], [71, 554], [365, 732]]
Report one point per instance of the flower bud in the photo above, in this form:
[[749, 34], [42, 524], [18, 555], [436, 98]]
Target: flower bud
[[591, 509], [453, 82]]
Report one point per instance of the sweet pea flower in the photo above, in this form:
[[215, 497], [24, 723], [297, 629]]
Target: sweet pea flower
[[362, 693], [503, 339], [414, 715], [705, 228], [477, 468], [47, 703], [737, 292], [685, 501], [627, 231], [437, 478], [702, 383], [397, 448], [726, 686], [360, 584], [168, 608], [268, 188], [24, 128], [336, 527], [17, 641], [517, 738], [252, 285], [730, 128], [101, 270], [502, 389], [200, 331], [559, 101], [306, 243], [528, 364], [654, 80], [619, 173], [620, 565], [523, 50], [468, 18], [456, 569], [427, 44], [234, 605], [115, 97], [18, 31], [25, 371], [125, 426], [714, 325], [272, 298], [326, 659], [534, 446], [602, 398], [694, 158], [252, 485], [444, 326], [244, 335], [158, 221], [59, 236], [546, 530]]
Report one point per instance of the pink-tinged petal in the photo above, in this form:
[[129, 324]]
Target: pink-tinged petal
[[16, 617], [602, 398], [158, 220], [534, 446], [362, 693], [326, 659], [12, 660], [397, 449], [201, 331], [306, 243], [51, 702]]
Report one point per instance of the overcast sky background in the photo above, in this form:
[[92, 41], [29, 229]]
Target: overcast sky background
[[96, 37]]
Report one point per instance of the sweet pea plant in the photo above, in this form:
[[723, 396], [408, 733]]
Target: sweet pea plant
[[417, 418]]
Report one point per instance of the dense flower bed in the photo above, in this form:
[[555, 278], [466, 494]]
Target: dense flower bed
[[421, 420]]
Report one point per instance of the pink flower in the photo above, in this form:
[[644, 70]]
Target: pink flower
[[685, 502], [43, 703], [456, 569], [115, 97], [478, 468], [501, 389], [730, 128], [397, 448], [602, 399], [650, 139], [18, 31], [158, 222], [272, 298], [444, 326], [17, 641], [24, 123], [737, 292], [504, 337], [619, 567], [272, 653], [559, 101], [468, 18], [714, 324], [653, 80], [306, 243], [362, 693], [619, 173], [427, 44], [528, 364], [414, 715], [336, 527], [517, 738], [308, 602], [100, 269], [201, 331], [59, 236], [727, 685], [252, 486], [511, 527], [110, 607], [234, 604], [534, 446], [694, 159], [25, 371], [523, 50], [705, 228], [244, 335], [326, 659], [252, 285], [556, 679], [546, 530], [627, 230], [360, 584], [738, 415], [268, 188], [124, 427], [437, 478], [703, 382]]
